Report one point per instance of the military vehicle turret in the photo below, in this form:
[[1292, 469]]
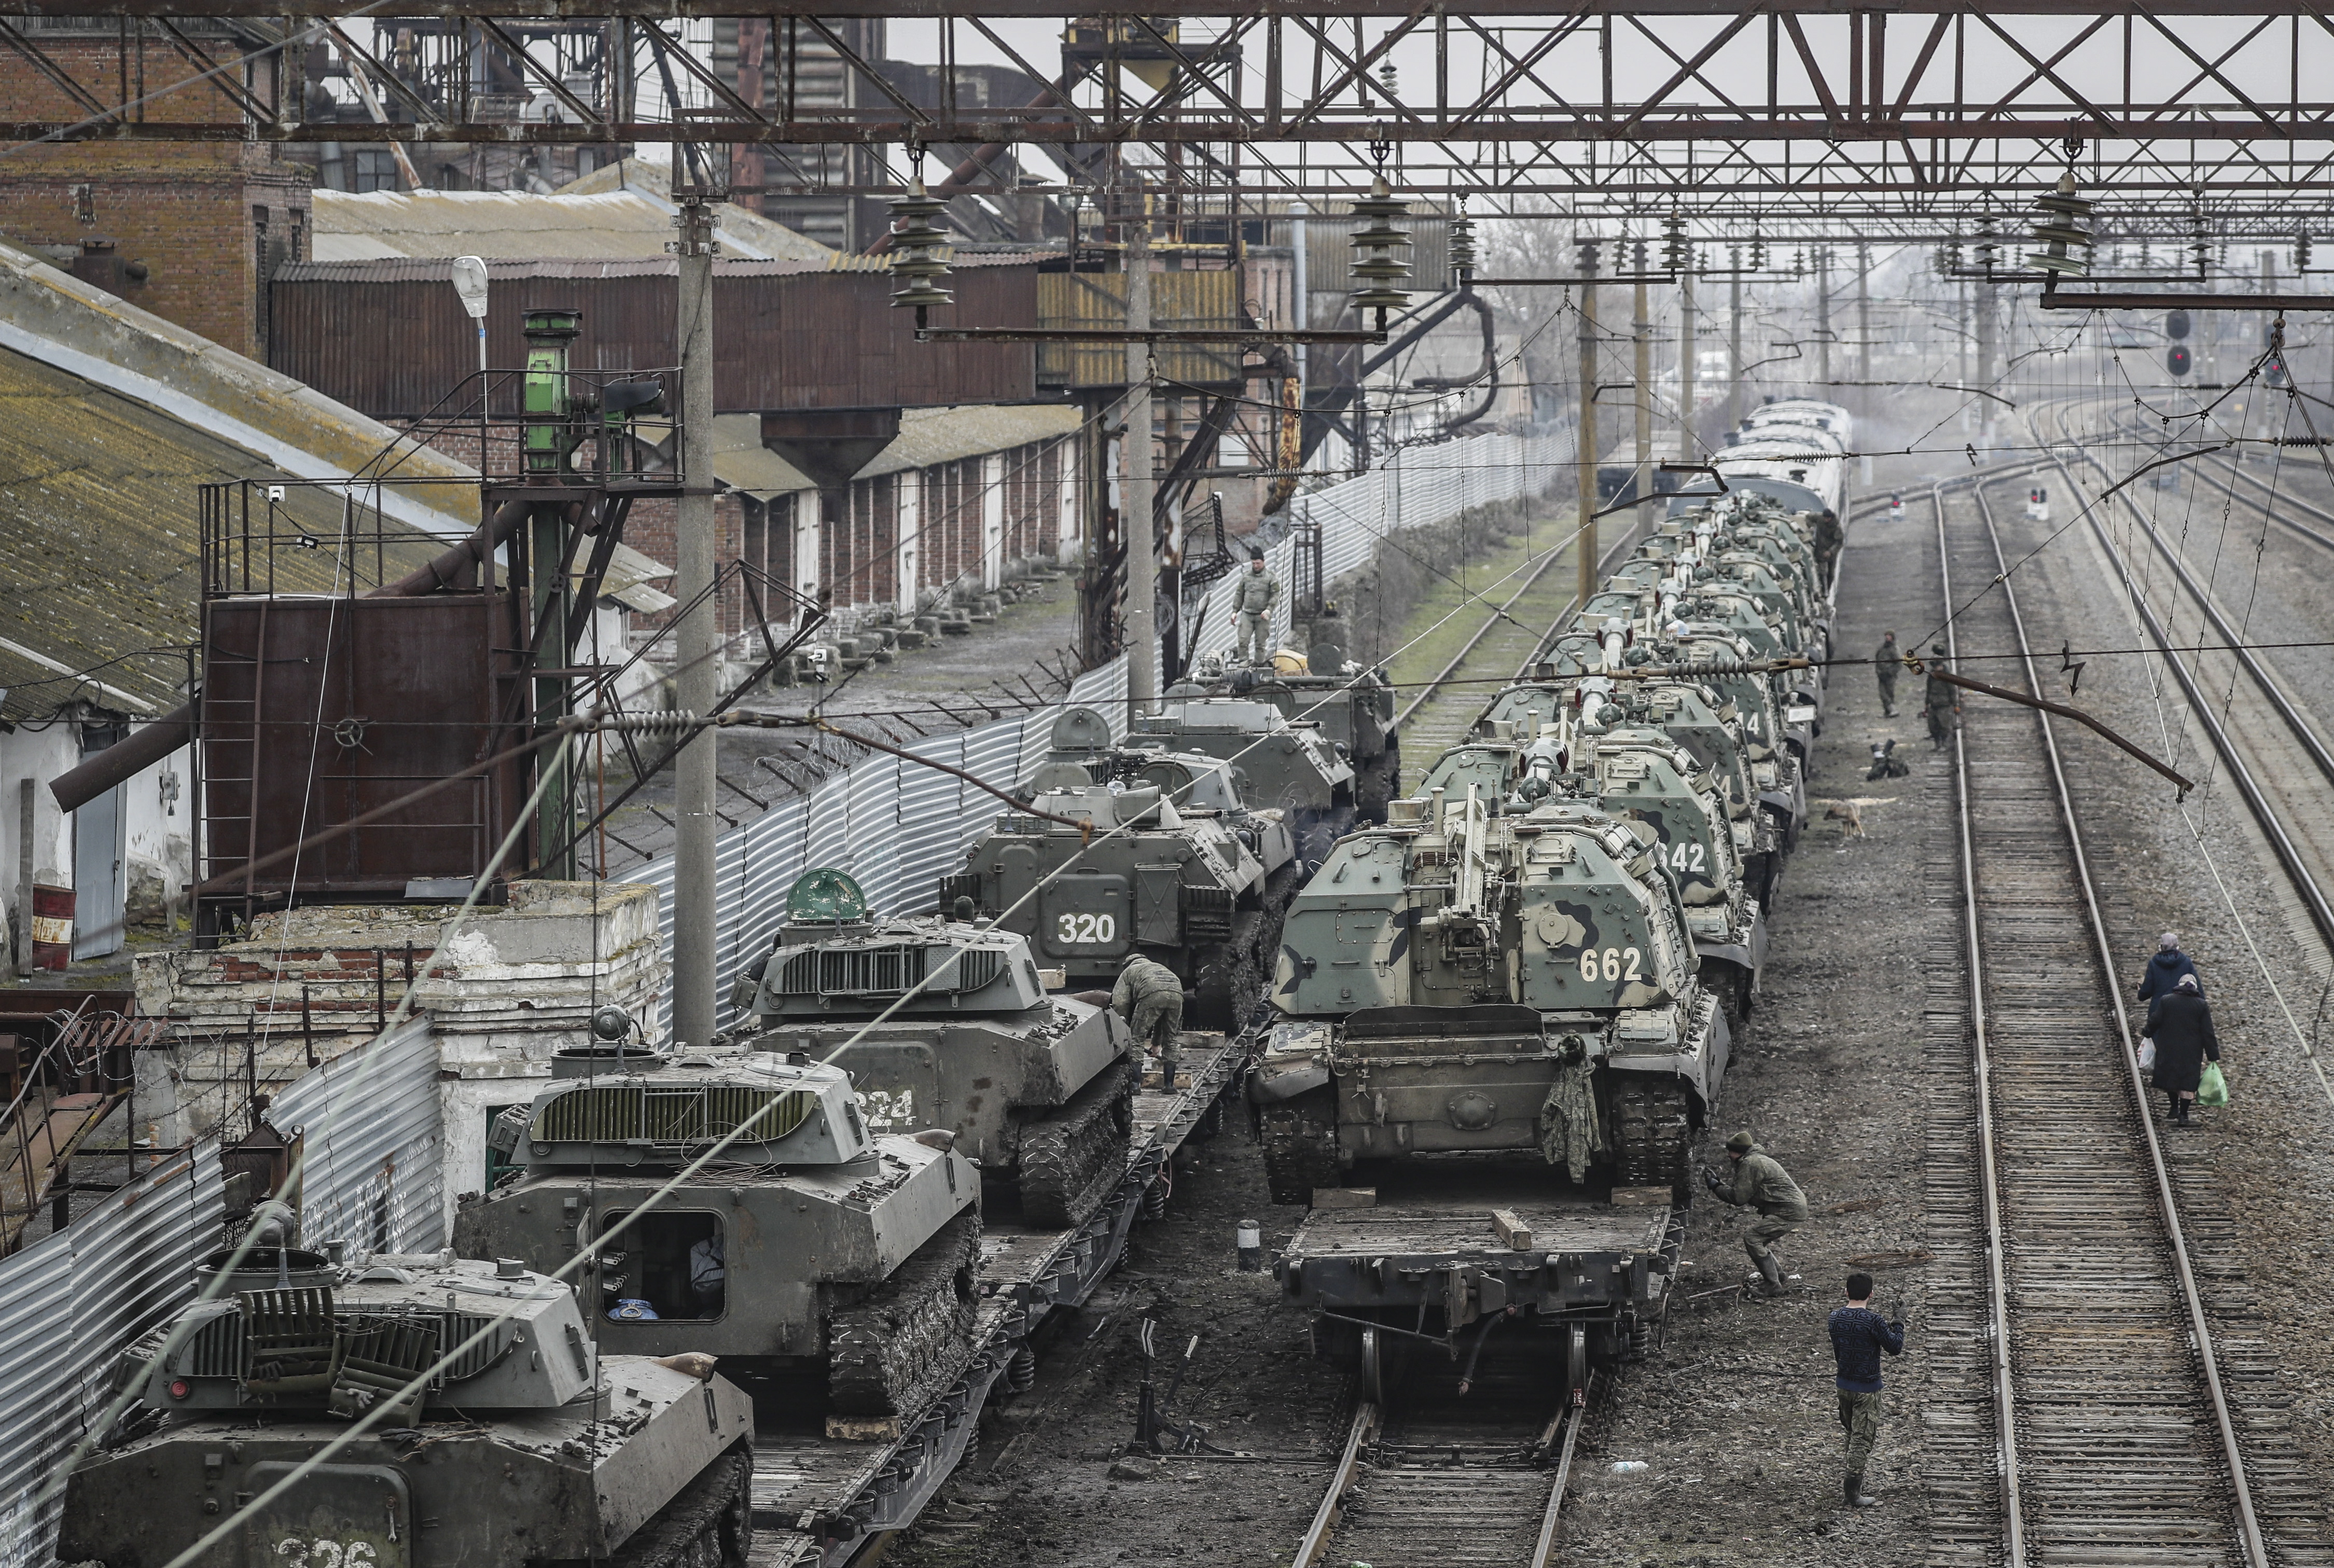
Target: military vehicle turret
[[1181, 885], [1274, 762], [1460, 983], [531, 1448], [1352, 704], [808, 1248], [944, 1023], [1084, 753]]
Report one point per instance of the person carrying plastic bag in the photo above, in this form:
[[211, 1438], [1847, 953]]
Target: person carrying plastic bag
[[2179, 1024]]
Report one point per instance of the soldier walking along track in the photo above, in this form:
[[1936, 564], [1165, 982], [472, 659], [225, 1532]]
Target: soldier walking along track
[[2134, 1419]]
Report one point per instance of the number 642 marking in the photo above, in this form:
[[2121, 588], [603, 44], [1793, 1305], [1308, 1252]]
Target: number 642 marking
[[1610, 964]]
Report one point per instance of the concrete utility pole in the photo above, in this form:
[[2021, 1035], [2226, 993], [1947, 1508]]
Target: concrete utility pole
[[1823, 320], [1734, 338], [1585, 539], [696, 639], [1142, 548], [1983, 380], [1685, 367], [1642, 329], [1863, 352]]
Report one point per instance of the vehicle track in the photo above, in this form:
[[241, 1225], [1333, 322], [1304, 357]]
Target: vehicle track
[[2131, 1415]]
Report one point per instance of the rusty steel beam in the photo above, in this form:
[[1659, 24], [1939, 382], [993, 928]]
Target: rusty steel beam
[[2307, 124], [676, 10]]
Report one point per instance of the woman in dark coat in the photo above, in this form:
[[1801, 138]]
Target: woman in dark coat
[[2180, 1024]]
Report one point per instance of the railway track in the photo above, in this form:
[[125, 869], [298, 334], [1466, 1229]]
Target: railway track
[[2130, 1415], [1428, 1476], [2273, 753], [1506, 642]]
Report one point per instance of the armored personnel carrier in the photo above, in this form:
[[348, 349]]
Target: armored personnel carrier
[[1458, 983], [1275, 762], [943, 1023], [531, 1448], [1189, 780], [1352, 704], [808, 1248], [1181, 885]]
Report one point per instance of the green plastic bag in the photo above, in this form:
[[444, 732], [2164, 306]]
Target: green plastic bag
[[2211, 1089]]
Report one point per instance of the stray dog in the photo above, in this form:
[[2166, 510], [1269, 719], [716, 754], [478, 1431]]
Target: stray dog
[[1848, 812]]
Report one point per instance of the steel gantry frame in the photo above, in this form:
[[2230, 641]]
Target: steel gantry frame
[[1921, 115]]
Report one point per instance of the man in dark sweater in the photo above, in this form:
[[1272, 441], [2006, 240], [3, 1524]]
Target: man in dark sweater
[[1858, 1337]]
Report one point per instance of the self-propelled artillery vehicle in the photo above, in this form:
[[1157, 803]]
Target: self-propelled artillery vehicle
[[1458, 983], [1353, 704], [529, 1449], [946, 1023], [805, 1247]]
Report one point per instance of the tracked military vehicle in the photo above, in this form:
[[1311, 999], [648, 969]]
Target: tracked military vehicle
[[1274, 762], [943, 1023], [1458, 983], [1690, 713], [1353, 704], [1189, 780], [530, 1447], [1181, 885], [808, 1248]]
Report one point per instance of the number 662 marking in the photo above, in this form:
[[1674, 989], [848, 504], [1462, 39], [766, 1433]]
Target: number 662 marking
[[1610, 964]]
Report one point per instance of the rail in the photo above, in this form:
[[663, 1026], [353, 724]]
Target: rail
[[1484, 1498], [2306, 885], [2081, 1399]]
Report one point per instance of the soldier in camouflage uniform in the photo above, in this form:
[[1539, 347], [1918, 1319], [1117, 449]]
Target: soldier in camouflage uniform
[[1151, 999], [1885, 664], [1944, 701], [1762, 1182], [1252, 603]]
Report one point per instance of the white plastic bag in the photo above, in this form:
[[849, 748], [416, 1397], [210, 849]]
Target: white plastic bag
[[2147, 1055]]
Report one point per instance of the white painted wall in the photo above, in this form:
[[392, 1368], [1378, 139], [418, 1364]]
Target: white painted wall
[[910, 494], [33, 756], [1072, 537], [992, 521]]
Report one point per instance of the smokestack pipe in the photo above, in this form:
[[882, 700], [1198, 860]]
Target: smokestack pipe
[[117, 764]]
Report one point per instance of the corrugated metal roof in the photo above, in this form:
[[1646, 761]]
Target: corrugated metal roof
[[927, 436], [97, 498], [746, 231], [110, 419], [616, 225]]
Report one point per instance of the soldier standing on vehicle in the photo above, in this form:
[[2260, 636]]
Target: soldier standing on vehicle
[[1760, 1182], [1252, 603], [1859, 1338], [1885, 665], [1151, 999], [1942, 702]]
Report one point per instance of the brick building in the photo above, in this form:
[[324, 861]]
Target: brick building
[[189, 231]]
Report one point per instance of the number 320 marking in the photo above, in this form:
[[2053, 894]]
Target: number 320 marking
[[1611, 962], [1085, 930]]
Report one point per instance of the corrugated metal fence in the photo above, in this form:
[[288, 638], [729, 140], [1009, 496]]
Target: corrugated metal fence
[[371, 1123], [898, 828], [70, 1303]]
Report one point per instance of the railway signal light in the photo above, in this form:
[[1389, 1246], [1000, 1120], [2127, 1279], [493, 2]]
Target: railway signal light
[[2175, 325], [2301, 251], [2175, 359]]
